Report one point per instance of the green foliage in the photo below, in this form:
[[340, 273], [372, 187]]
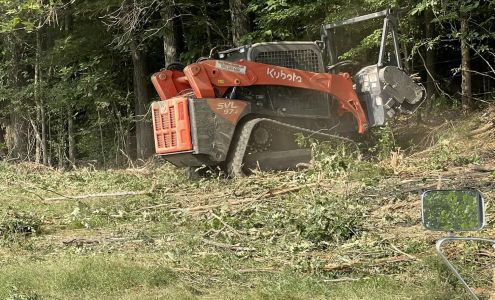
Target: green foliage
[[331, 221], [335, 159], [15, 223], [382, 142], [344, 159], [370, 42], [15, 294], [19, 14]]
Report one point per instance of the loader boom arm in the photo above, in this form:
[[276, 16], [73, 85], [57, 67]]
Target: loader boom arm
[[209, 78]]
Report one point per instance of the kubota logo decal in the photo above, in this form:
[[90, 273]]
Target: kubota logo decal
[[280, 74]]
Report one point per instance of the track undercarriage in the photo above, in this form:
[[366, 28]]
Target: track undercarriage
[[269, 144]]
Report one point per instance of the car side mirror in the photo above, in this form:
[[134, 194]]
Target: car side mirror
[[453, 210]]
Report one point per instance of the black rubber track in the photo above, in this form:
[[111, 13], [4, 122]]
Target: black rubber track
[[235, 161]]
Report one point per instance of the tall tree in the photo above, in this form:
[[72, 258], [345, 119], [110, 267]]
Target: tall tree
[[16, 137], [40, 126], [68, 26], [240, 20], [131, 18], [465, 28], [141, 101], [467, 94], [170, 37], [15, 20], [430, 57]]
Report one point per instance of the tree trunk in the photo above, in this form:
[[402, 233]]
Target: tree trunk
[[144, 136], [44, 142], [41, 144], [430, 61], [170, 40], [240, 20], [70, 133], [68, 24], [207, 25], [102, 144], [37, 99], [68, 18], [467, 96], [406, 62], [15, 137], [15, 128], [61, 150]]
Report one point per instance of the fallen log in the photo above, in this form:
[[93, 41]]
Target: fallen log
[[485, 168], [227, 246], [99, 195], [261, 270], [375, 263], [483, 129], [344, 279], [269, 194]]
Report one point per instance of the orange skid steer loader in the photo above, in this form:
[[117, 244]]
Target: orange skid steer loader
[[240, 108]]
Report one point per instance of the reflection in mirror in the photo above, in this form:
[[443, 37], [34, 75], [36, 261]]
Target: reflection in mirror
[[453, 210]]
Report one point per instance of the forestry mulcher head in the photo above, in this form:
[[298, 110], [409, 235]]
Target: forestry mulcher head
[[384, 88], [244, 106]]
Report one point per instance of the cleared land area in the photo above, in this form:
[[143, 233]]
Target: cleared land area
[[347, 227]]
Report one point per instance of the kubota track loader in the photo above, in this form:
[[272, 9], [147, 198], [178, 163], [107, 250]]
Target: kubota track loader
[[241, 107]]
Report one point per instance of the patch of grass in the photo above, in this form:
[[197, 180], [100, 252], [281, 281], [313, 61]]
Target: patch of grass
[[295, 287], [97, 276], [345, 160], [448, 154], [413, 246], [90, 216], [369, 173]]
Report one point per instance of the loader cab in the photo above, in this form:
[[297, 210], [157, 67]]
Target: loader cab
[[285, 101], [307, 56]]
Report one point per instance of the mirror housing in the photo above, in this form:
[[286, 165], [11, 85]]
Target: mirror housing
[[453, 210]]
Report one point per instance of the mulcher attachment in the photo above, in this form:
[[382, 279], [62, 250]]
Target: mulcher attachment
[[386, 92]]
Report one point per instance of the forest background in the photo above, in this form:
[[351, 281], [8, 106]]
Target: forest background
[[75, 74]]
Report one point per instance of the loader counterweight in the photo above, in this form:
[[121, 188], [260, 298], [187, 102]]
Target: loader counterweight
[[172, 127]]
